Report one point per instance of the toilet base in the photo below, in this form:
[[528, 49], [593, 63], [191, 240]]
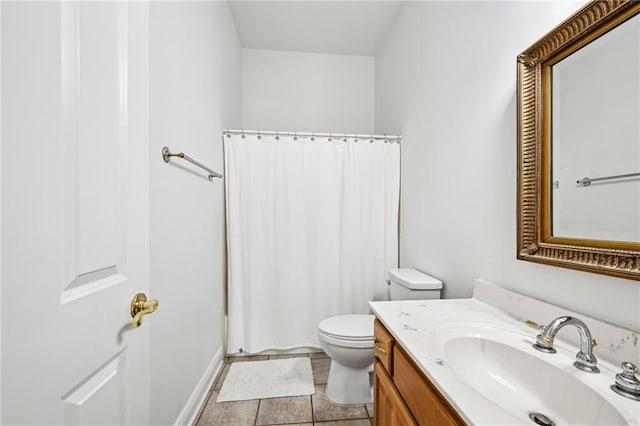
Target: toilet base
[[348, 385]]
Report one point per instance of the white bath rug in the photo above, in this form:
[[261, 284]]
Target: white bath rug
[[267, 379]]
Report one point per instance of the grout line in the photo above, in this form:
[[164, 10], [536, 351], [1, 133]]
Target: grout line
[[255, 421]]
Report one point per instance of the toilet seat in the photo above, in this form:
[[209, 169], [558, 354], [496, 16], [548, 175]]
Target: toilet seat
[[346, 343], [350, 331]]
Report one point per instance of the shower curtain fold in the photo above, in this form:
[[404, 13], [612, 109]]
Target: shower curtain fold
[[312, 228]]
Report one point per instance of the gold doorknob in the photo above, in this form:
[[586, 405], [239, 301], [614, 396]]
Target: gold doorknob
[[141, 306]]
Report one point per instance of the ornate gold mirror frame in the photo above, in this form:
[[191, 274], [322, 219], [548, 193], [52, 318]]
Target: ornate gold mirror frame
[[535, 240]]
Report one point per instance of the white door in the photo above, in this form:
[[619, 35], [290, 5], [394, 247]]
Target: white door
[[74, 212]]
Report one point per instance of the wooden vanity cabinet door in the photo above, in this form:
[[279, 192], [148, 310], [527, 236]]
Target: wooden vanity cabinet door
[[383, 346], [389, 408], [423, 399]]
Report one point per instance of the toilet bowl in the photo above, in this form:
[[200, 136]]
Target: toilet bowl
[[348, 339]]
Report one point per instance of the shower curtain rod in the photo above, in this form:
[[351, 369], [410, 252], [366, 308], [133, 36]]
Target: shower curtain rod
[[312, 134]]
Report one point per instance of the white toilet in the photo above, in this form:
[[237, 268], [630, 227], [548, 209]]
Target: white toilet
[[348, 339]]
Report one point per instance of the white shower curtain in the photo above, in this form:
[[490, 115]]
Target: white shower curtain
[[312, 228]]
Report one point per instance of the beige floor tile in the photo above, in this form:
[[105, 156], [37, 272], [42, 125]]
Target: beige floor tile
[[232, 359], [318, 355], [275, 411], [324, 409], [285, 356], [206, 401], [370, 409], [320, 367], [357, 422], [223, 373], [236, 413]]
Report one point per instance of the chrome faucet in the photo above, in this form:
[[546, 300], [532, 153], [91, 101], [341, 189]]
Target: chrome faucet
[[585, 359]]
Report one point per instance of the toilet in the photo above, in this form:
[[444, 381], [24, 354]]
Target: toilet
[[348, 339]]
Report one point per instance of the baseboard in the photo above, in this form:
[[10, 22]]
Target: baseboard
[[199, 395]]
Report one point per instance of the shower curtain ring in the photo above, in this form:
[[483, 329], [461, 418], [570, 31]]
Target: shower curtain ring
[[242, 133], [295, 136], [345, 137], [330, 136], [277, 136], [313, 136], [259, 135]]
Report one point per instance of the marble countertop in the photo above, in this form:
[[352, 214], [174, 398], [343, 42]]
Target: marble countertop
[[410, 322]]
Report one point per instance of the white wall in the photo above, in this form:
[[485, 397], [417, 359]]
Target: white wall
[[194, 94], [293, 91], [446, 81]]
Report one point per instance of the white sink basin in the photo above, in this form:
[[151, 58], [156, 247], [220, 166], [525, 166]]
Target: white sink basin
[[502, 367]]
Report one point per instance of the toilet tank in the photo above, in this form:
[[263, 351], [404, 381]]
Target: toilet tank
[[410, 284]]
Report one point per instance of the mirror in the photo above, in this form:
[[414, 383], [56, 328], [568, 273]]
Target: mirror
[[595, 139], [579, 142]]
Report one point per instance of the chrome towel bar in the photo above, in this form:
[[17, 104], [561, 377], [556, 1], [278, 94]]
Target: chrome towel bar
[[167, 154], [587, 181]]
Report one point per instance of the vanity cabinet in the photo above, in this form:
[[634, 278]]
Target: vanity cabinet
[[388, 406], [403, 395]]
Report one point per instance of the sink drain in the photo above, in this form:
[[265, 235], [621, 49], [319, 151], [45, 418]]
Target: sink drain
[[541, 419]]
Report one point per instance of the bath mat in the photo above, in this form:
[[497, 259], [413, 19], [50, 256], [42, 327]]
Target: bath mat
[[267, 379]]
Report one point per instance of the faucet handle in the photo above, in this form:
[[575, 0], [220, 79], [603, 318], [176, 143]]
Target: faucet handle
[[630, 371], [544, 342], [627, 383], [531, 324], [536, 325]]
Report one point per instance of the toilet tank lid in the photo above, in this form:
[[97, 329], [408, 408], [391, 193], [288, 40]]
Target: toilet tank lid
[[414, 280]]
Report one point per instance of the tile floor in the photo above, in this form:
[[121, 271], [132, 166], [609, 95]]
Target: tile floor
[[297, 410]]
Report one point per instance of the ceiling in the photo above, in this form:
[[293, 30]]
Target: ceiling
[[331, 27]]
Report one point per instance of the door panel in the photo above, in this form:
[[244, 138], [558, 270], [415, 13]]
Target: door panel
[[100, 399], [75, 207], [101, 134], [94, 136]]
